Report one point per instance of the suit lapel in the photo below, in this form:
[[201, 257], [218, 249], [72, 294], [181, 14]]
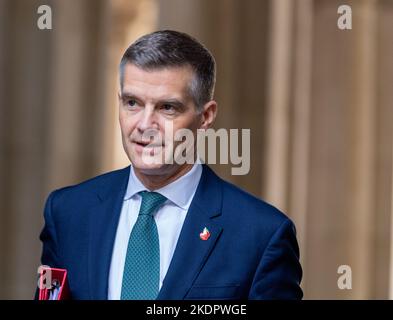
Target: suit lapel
[[191, 251], [104, 218]]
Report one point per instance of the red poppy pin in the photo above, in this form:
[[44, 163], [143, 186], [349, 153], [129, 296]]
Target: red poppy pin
[[205, 234]]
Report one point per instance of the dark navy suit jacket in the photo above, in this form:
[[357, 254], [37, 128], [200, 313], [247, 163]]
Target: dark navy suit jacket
[[252, 252]]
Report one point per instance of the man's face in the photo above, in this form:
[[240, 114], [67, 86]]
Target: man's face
[[150, 102]]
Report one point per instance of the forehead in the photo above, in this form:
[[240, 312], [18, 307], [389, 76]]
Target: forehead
[[163, 81]]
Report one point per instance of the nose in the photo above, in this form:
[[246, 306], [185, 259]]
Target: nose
[[147, 120]]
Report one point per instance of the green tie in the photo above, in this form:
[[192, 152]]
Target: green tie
[[141, 276]]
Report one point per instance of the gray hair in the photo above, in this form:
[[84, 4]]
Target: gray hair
[[168, 48]]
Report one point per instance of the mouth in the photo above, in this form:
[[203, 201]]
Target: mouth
[[148, 144]]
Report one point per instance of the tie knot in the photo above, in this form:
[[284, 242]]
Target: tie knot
[[150, 202]]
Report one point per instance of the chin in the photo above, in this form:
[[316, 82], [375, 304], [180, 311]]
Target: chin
[[148, 169]]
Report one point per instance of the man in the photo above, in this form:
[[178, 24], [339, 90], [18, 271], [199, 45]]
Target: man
[[164, 229]]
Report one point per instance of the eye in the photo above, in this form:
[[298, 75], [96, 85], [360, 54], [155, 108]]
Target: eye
[[131, 103], [168, 108]]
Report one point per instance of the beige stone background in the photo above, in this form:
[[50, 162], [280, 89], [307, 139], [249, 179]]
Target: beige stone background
[[318, 101]]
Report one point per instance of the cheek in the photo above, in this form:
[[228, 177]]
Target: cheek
[[188, 121], [191, 124], [126, 124]]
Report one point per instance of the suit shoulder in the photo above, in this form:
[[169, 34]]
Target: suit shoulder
[[243, 205], [101, 182]]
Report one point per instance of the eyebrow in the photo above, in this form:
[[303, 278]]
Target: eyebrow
[[126, 94], [173, 101]]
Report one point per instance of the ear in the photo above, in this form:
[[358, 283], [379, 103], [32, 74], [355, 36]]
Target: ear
[[208, 114]]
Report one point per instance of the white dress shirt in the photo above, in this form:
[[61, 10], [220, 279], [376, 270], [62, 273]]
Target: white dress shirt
[[169, 219]]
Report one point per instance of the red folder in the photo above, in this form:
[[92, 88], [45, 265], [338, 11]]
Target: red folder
[[58, 277]]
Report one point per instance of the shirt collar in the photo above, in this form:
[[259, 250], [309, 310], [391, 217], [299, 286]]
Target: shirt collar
[[180, 191]]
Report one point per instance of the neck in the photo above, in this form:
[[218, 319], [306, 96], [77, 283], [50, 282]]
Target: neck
[[156, 181]]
